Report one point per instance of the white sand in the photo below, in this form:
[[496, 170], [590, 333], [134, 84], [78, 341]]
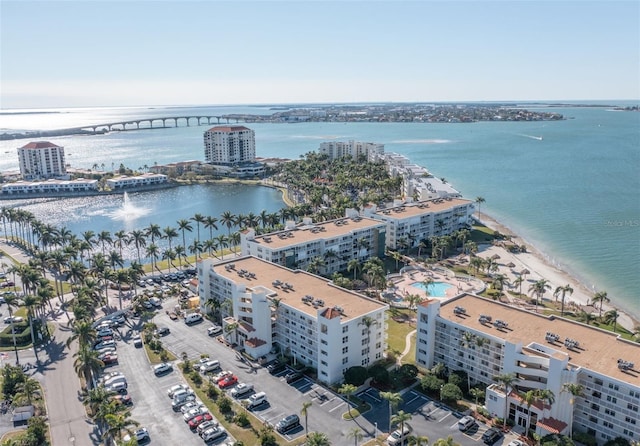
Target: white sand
[[539, 268]]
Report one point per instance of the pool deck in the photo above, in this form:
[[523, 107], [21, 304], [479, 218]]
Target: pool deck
[[403, 284]]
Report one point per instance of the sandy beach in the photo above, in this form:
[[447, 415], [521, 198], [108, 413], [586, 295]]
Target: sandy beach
[[534, 261]]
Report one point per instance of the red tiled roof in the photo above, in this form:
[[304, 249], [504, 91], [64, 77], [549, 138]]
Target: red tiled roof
[[552, 425], [330, 313], [246, 326], [254, 342], [228, 128], [39, 145]]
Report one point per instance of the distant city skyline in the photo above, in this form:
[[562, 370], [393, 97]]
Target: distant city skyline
[[134, 53]]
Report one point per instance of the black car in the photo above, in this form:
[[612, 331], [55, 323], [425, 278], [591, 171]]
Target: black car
[[276, 367], [491, 436], [293, 377]]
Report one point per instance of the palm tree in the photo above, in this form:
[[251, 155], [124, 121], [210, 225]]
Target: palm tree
[[87, 364], [116, 423], [94, 398], [305, 413], [518, 282], [355, 266], [153, 231], [83, 332], [418, 440], [539, 288], [139, 241], [317, 439], [31, 303], [611, 318], [446, 442], [356, 434], [393, 399], [479, 200], [601, 297], [12, 302], [348, 390], [507, 381], [169, 233], [576, 391], [529, 398], [28, 390], [185, 225], [562, 291], [400, 418]]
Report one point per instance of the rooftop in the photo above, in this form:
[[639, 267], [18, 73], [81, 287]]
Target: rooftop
[[39, 145], [292, 286], [422, 207], [316, 231], [598, 350], [228, 128]]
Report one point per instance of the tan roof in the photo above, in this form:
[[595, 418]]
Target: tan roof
[[599, 350], [305, 234], [303, 284], [414, 209]]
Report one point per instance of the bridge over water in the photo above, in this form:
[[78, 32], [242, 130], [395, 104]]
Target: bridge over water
[[166, 122]]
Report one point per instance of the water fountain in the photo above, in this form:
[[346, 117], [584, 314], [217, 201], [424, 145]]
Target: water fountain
[[129, 210]]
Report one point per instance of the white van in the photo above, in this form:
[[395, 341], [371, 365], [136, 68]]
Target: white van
[[256, 399], [115, 380], [210, 366], [398, 437], [192, 318]]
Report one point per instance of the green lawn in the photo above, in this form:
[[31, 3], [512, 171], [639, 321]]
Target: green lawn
[[399, 327]]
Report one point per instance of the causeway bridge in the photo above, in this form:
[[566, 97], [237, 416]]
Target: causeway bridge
[[166, 122]]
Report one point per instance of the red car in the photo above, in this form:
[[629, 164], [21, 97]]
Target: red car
[[197, 421], [109, 358], [228, 381]]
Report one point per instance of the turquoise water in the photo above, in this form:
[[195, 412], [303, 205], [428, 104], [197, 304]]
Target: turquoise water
[[435, 289], [575, 194]]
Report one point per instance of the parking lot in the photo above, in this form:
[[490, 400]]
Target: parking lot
[[153, 410]]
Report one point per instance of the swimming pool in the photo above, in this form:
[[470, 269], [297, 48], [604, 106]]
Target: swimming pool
[[436, 289]]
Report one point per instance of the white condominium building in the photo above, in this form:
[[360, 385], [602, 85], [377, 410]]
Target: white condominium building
[[329, 245], [41, 159], [485, 338], [323, 326], [147, 179], [229, 145], [410, 223], [339, 149], [49, 186]]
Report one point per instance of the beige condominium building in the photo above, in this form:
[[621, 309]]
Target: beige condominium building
[[41, 159], [227, 145], [338, 149], [331, 244], [304, 316], [411, 222], [485, 338]]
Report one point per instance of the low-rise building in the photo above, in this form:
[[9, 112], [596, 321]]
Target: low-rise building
[[338, 149], [485, 338], [330, 244], [410, 223], [21, 188], [307, 317], [147, 179]]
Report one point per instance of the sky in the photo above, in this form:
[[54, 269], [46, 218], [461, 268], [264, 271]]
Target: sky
[[134, 53]]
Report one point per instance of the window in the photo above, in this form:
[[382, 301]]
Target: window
[[610, 412], [345, 359], [598, 381], [630, 420], [632, 407], [607, 424], [365, 351], [345, 339], [323, 341], [345, 350], [614, 386], [612, 399], [322, 352], [323, 328], [324, 363], [378, 345], [345, 329]]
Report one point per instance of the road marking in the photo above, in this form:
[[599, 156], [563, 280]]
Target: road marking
[[412, 399], [443, 418], [339, 405]]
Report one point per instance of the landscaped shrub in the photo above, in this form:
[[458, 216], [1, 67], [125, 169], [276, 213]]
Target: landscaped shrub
[[356, 375], [379, 374], [224, 404], [196, 378], [408, 372], [431, 383], [242, 419], [584, 438], [459, 378], [451, 392], [212, 392], [618, 441]]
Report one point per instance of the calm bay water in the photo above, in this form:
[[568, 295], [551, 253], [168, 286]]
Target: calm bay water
[[575, 194]]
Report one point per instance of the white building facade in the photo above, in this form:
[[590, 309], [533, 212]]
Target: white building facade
[[338, 149], [331, 244], [41, 159], [410, 223], [306, 317], [229, 145], [147, 179], [49, 186], [484, 339]]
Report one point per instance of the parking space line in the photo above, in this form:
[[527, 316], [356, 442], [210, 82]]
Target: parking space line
[[443, 418], [339, 405]]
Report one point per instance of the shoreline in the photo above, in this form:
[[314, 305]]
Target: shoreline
[[541, 268]]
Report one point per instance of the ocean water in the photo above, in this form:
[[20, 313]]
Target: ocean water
[[574, 194]]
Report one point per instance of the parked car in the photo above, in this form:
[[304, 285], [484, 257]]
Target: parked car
[[214, 330], [102, 344], [108, 358], [288, 423], [188, 405], [207, 425], [163, 331], [276, 367], [293, 377], [7, 284], [192, 413], [13, 319], [163, 368], [197, 421], [141, 435], [399, 437], [228, 381], [516, 443], [222, 375], [192, 318], [210, 366], [241, 390], [256, 400], [466, 422], [137, 341], [213, 433], [173, 389], [123, 399], [491, 435]]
